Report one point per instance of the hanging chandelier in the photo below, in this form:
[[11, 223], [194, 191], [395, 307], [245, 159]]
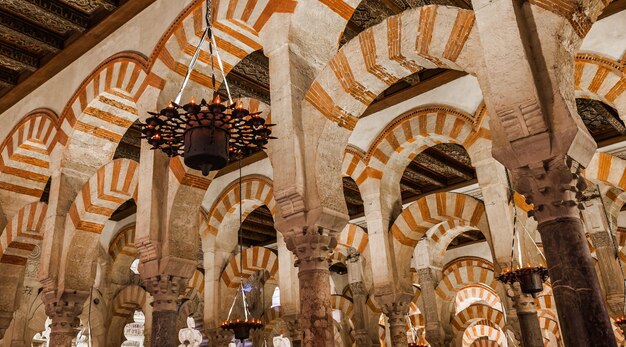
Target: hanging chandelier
[[241, 326], [530, 278], [207, 135]]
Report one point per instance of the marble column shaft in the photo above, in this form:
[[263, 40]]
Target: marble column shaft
[[551, 186], [527, 316], [396, 313], [428, 282], [165, 291]]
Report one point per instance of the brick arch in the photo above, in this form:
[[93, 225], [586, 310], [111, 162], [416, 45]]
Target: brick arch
[[25, 160], [461, 321], [236, 27], [484, 294], [477, 331], [123, 252], [417, 218], [444, 233], [195, 286], [111, 186], [420, 128], [125, 303], [191, 308], [486, 343], [548, 322], [619, 334], [383, 54], [352, 236], [342, 303], [463, 272], [22, 234], [254, 259], [601, 78], [256, 191]]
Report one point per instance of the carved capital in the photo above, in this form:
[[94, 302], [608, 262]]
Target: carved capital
[[165, 291], [64, 310], [428, 274], [552, 186], [601, 240], [523, 303], [311, 246]]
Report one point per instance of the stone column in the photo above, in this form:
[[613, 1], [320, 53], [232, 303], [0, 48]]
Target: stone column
[[396, 314], [165, 291], [359, 299], [595, 219], [552, 186], [63, 312], [527, 316], [312, 247], [292, 330], [428, 279]]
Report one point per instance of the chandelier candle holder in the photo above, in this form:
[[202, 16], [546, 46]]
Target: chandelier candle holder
[[207, 135], [621, 323], [530, 278]]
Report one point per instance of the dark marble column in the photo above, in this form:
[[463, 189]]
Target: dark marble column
[[359, 299], [165, 291], [551, 186], [527, 316]]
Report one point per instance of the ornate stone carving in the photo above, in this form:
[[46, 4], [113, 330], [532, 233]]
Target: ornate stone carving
[[165, 291], [522, 120], [396, 313], [289, 201], [63, 312], [552, 187]]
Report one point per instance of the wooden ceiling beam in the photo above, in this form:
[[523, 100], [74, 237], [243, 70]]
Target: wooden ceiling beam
[[440, 158], [73, 51], [64, 11], [47, 39]]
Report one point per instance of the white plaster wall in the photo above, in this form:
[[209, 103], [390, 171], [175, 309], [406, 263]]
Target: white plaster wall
[[463, 93], [261, 167], [479, 250], [607, 36], [140, 34]]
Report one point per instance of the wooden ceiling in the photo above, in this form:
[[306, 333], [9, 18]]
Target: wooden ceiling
[[38, 38], [601, 120]]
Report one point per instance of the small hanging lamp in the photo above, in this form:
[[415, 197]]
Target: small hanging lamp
[[530, 278], [241, 326]]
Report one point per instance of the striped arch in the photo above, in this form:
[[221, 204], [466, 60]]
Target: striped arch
[[110, 187], [462, 273], [474, 313], [123, 252], [614, 199], [342, 303], [22, 234], [619, 334], [477, 293], [421, 215], [272, 319], [548, 323], [123, 243], [191, 308], [477, 331], [102, 109], [17, 241], [426, 37], [352, 236], [195, 286], [236, 27], [254, 259], [444, 233], [414, 131], [125, 303], [256, 191], [601, 78], [25, 160]]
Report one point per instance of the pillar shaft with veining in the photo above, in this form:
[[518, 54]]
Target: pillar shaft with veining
[[527, 316], [598, 228], [165, 291]]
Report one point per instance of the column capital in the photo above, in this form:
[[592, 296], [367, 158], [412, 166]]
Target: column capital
[[358, 288], [311, 245], [523, 303], [553, 186], [63, 311], [165, 290]]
